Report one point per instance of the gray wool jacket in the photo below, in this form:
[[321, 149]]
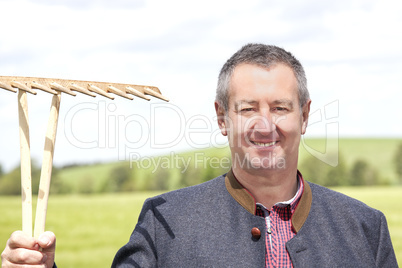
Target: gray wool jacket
[[209, 225]]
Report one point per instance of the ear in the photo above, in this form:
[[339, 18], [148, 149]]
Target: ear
[[305, 114], [220, 113]]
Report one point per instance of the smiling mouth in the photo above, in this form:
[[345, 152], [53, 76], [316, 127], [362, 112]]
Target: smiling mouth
[[264, 144]]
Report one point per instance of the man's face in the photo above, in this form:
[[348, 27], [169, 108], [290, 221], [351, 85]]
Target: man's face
[[264, 121]]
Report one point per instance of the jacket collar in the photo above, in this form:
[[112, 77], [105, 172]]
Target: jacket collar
[[246, 200]]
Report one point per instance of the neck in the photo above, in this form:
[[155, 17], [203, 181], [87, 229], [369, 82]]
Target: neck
[[271, 186]]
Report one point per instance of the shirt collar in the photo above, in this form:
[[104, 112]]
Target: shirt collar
[[295, 199], [300, 203]]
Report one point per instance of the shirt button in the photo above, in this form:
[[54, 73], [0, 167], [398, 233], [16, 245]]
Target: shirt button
[[256, 233]]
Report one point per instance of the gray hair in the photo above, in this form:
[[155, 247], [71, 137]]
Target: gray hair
[[264, 56]]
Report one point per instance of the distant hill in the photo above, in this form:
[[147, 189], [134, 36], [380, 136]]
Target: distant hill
[[377, 152], [176, 170]]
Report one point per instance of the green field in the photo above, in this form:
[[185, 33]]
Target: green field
[[90, 229]]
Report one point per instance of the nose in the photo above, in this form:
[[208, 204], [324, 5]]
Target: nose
[[263, 123]]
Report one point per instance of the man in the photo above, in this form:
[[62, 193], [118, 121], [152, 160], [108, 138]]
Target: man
[[262, 213]]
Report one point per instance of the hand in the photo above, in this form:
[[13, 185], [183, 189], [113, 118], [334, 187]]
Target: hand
[[22, 249]]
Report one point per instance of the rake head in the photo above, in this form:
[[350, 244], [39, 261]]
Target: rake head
[[90, 88], [55, 86]]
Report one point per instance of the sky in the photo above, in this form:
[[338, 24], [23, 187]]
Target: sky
[[351, 51]]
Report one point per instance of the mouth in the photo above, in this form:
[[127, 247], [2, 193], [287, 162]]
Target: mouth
[[264, 144]]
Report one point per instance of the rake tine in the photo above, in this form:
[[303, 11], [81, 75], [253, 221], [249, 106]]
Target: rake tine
[[117, 91], [77, 88], [26, 179], [99, 91], [154, 93], [60, 88], [42, 87], [91, 88], [47, 164], [136, 93], [8, 87], [22, 87]]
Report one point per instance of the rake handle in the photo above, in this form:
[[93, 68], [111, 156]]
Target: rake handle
[[26, 179], [47, 164]]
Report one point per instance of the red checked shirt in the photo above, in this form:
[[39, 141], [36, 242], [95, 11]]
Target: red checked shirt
[[279, 229]]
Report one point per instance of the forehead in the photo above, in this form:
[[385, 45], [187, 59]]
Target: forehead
[[254, 82]]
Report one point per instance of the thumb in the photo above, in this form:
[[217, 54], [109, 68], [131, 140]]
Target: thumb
[[47, 241]]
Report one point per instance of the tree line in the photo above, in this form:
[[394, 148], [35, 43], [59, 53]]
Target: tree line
[[126, 177]]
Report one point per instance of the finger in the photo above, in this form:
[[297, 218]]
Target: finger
[[19, 239], [23, 256], [47, 241], [8, 264]]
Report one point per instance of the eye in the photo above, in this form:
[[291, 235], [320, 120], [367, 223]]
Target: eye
[[247, 109], [281, 109]]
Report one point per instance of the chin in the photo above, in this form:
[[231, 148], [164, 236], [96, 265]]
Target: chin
[[267, 162]]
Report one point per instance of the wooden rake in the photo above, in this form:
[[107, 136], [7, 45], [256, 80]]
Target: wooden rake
[[55, 87]]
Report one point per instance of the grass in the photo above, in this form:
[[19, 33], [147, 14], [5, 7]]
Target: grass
[[90, 229]]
